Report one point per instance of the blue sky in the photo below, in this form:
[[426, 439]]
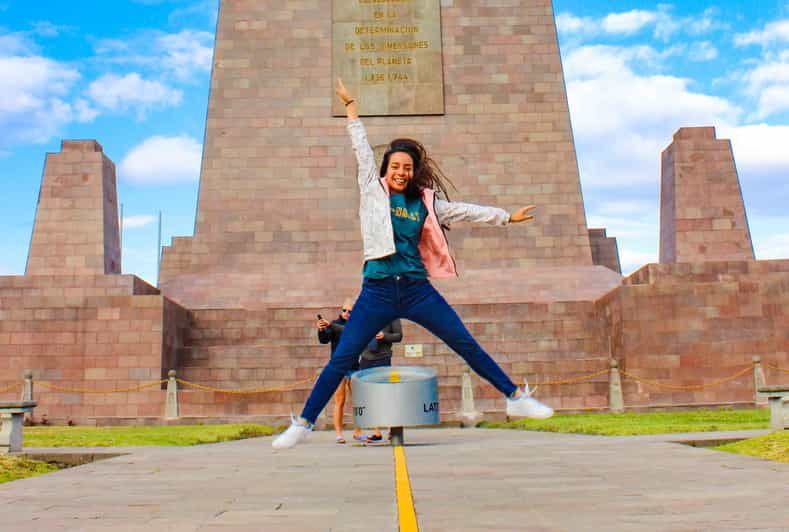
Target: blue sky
[[134, 75]]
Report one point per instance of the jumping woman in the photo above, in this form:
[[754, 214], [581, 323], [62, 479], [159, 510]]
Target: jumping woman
[[401, 218]]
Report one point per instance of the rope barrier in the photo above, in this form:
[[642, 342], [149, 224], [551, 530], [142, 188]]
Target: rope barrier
[[297, 384], [9, 388], [248, 391], [55, 388], [688, 387], [573, 380], [773, 366]]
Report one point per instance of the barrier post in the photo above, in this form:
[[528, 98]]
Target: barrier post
[[468, 412], [171, 404], [27, 388], [759, 381], [616, 402]]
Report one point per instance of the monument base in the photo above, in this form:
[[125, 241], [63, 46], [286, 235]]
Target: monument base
[[678, 332]]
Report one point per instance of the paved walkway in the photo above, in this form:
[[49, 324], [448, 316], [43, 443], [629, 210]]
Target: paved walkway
[[461, 480]]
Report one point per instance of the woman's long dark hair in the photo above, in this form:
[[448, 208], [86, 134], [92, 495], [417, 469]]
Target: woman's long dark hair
[[427, 174]]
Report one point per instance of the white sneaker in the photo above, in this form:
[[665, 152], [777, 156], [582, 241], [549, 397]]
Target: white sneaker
[[527, 406], [295, 434]]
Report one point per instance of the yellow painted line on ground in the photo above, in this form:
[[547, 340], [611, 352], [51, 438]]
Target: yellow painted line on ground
[[406, 514]]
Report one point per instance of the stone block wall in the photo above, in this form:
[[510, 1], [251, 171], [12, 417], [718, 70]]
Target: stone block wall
[[275, 348], [76, 228], [686, 325], [80, 334], [605, 252], [702, 215]]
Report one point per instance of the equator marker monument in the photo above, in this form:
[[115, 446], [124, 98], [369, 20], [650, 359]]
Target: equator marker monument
[[276, 234]]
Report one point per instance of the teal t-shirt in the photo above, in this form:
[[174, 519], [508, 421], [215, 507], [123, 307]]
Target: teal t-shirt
[[408, 217]]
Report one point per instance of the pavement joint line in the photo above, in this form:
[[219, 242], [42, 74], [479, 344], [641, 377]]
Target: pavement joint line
[[406, 514]]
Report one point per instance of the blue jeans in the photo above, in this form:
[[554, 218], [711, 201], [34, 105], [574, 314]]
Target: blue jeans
[[383, 300]]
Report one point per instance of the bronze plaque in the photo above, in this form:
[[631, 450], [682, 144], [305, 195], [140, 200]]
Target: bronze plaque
[[388, 54]]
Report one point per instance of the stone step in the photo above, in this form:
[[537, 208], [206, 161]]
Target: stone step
[[73, 285]]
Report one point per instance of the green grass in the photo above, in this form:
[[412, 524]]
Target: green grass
[[14, 468], [638, 423], [174, 435], [773, 446]]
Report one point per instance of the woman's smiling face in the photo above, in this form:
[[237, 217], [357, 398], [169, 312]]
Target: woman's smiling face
[[399, 172]]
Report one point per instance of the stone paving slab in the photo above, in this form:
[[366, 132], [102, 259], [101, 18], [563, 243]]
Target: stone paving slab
[[462, 480]]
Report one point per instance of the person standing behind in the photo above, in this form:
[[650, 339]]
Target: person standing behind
[[379, 350], [379, 353], [331, 333]]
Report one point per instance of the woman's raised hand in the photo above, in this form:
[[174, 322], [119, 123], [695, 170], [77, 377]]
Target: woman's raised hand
[[347, 100], [342, 92], [523, 215]]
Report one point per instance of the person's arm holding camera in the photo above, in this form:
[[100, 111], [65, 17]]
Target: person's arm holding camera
[[392, 333], [325, 332]]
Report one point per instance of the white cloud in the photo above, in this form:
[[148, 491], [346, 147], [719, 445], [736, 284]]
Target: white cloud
[[34, 94], [774, 32], [623, 207], [770, 236], [666, 25], [83, 111], [631, 260], [706, 23], [663, 23], [768, 84], [622, 121], [629, 22], [15, 44], [773, 100], [44, 28], [702, 51], [759, 149], [141, 261], [775, 246], [628, 228], [626, 105], [635, 225], [569, 23], [140, 220], [202, 12], [163, 160], [132, 92], [769, 72], [180, 55], [187, 52]]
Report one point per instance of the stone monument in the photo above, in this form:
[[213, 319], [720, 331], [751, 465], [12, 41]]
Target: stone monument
[[702, 215], [76, 227], [481, 87], [277, 241]]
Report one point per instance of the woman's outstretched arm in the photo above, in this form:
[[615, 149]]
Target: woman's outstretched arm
[[361, 147], [449, 212]]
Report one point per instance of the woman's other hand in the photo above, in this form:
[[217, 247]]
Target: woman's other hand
[[523, 215]]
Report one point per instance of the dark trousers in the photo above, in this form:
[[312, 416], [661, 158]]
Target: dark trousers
[[383, 300], [377, 363]]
